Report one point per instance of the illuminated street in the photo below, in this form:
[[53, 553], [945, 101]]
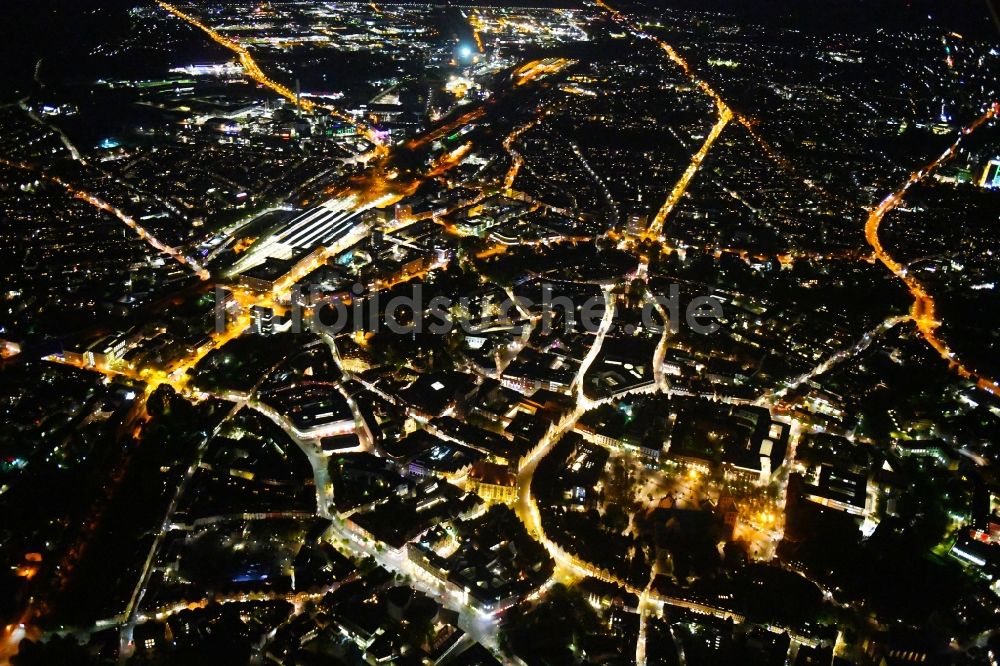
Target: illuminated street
[[585, 333]]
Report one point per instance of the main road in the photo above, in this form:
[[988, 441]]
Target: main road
[[924, 310], [675, 57], [253, 70], [725, 115]]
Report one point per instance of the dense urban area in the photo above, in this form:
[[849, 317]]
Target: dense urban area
[[584, 333]]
